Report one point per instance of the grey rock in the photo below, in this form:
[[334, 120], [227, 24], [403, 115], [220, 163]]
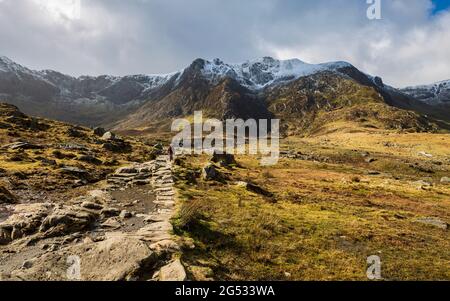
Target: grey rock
[[433, 222]]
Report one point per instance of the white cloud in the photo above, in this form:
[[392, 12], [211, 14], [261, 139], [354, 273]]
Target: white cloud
[[406, 47]]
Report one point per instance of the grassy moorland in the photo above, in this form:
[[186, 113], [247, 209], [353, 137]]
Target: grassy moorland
[[338, 198]]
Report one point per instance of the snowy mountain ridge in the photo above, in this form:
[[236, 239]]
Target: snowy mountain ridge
[[266, 71], [433, 94]]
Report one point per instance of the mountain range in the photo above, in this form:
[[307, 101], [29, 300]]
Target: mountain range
[[305, 95]]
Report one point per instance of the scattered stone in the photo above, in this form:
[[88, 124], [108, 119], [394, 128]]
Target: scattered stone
[[166, 245], [422, 185], [74, 171], [370, 160], [174, 271], [117, 146], [255, 189], [124, 214], [90, 159], [112, 223], [27, 264], [23, 145], [433, 222], [91, 205], [73, 146], [46, 161], [109, 136], [110, 212], [424, 154], [99, 131], [211, 173], [445, 180], [373, 173], [7, 197], [223, 158], [75, 133]]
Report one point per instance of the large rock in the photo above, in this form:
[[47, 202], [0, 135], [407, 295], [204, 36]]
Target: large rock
[[116, 258], [445, 180], [174, 271], [25, 220], [117, 146], [223, 159], [46, 220], [109, 136], [99, 131], [255, 189], [6, 196], [211, 173], [90, 159]]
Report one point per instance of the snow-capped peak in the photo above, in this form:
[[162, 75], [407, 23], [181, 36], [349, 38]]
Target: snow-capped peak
[[266, 71], [432, 94], [7, 65]]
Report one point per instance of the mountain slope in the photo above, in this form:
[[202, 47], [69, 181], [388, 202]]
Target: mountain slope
[[434, 94], [293, 91], [254, 89], [85, 100]]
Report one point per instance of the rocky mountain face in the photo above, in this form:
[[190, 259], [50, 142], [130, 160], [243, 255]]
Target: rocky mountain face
[[262, 88], [434, 94], [85, 100]]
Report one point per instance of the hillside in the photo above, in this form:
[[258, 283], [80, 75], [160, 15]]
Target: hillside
[[253, 89], [41, 157]]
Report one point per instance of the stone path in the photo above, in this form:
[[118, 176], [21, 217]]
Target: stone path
[[159, 230], [137, 246]]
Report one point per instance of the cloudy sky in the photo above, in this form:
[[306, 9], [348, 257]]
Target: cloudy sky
[[409, 45]]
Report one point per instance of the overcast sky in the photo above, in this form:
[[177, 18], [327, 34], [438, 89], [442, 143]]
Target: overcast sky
[[410, 45]]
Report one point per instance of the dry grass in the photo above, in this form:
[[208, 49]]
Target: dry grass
[[326, 223]]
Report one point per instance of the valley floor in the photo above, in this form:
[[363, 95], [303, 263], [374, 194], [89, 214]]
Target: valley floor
[[337, 200]]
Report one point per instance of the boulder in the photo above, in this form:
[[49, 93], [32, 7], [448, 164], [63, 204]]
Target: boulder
[[255, 189], [74, 133], [223, 159], [25, 220], [110, 212], [90, 159], [174, 271], [99, 131], [74, 171], [445, 180], [91, 205], [124, 214], [67, 220], [117, 146], [211, 173], [117, 258], [109, 136]]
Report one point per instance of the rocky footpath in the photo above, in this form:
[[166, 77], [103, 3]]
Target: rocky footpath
[[120, 231]]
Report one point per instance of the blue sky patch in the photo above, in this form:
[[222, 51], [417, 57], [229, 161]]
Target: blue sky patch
[[440, 5]]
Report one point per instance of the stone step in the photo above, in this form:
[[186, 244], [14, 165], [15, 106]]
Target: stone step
[[163, 182], [164, 189], [168, 185], [169, 193], [124, 175], [164, 198]]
